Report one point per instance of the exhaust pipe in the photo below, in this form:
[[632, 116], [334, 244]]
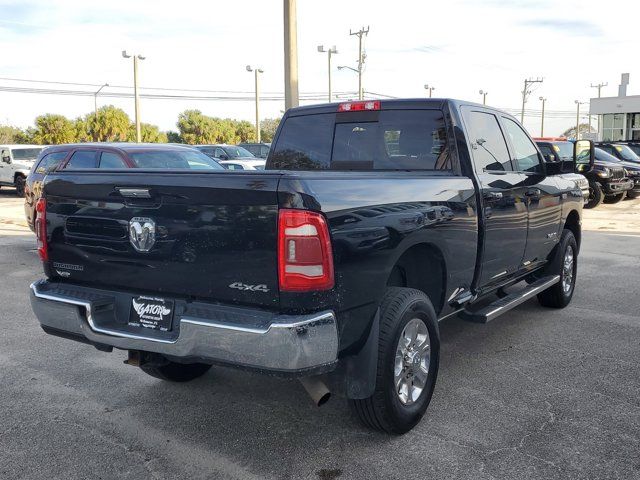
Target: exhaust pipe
[[316, 389]]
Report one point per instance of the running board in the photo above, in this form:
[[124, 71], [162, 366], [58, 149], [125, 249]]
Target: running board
[[502, 305]]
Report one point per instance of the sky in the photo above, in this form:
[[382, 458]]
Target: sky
[[457, 46]]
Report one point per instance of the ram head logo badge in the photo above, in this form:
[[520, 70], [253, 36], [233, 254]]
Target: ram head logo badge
[[142, 233]]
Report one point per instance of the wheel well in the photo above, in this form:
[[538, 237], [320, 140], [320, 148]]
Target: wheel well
[[421, 267], [573, 224]]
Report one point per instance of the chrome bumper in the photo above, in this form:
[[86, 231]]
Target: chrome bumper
[[279, 343]]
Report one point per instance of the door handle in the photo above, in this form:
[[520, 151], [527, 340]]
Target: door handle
[[533, 192], [492, 196]]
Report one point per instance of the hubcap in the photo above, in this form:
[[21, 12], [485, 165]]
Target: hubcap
[[413, 355], [567, 271]]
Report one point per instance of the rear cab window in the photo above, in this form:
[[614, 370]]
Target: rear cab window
[[375, 140], [82, 159]]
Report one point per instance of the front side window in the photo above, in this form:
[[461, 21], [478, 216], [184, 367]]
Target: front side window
[[82, 159], [50, 161], [487, 143], [526, 154]]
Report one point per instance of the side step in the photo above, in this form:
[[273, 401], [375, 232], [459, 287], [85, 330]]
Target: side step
[[504, 304]]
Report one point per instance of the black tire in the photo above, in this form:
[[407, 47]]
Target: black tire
[[19, 183], [609, 199], [596, 195], [631, 195], [176, 372], [383, 410], [556, 296]]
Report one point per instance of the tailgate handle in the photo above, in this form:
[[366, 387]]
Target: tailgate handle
[[134, 192]]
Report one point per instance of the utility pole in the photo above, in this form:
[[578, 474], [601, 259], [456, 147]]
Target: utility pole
[[599, 87], [484, 96], [95, 99], [290, 55], [257, 71], [526, 92], [361, 57], [331, 51], [578, 103], [543, 100], [135, 90], [431, 89]]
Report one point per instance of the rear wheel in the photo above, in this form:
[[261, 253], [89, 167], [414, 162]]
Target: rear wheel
[[615, 198], [565, 264], [596, 195], [408, 356], [176, 372], [19, 183]]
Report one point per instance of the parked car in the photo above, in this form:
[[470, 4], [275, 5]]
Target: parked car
[[198, 268], [107, 156], [560, 150], [260, 150], [632, 170], [15, 163], [634, 145], [225, 152], [243, 164], [620, 151], [606, 179]]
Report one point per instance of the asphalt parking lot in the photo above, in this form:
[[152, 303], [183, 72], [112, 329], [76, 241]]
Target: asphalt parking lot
[[535, 394]]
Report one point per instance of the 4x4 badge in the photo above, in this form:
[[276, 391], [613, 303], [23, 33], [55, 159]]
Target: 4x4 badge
[[142, 233]]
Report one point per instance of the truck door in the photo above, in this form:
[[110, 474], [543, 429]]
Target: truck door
[[543, 197], [504, 207]]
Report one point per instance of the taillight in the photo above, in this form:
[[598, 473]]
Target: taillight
[[359, 106], [305, 260], [41, 229]]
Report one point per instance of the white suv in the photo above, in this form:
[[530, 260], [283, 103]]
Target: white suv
[[15, 163]]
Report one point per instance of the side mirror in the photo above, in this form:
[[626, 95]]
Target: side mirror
[[584, 154], [549, 158]]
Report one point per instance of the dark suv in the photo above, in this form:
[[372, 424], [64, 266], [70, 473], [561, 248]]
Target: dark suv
[[632, 170], [260, 150], [620, 151], [608, 180]]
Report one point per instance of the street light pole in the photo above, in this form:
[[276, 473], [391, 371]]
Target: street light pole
[[484, 96], [360, 33], [95, 99], [599, 87], [543, 100], [256, 71], [431, 89], [135, 91], [291, 98], [331, 51]]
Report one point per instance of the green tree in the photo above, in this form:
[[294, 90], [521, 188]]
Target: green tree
[[571, 132], [10, 134], [174, 137], [51, 129], [81, 129], [148, 133], [196, 128], [111, 124], [268, 128], [245, 131]]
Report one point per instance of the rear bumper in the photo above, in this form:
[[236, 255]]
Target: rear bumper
[[297, 345]]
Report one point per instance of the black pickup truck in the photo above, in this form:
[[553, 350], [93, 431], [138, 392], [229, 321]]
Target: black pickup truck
[[374, 221]]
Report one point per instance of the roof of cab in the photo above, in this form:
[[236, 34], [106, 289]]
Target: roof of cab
[[122, 146]]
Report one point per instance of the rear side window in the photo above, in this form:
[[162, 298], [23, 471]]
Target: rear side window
[[111, 160], [487, 143], [396, 140], [525, 152], [50, 162], [174, 159], [82, 159]]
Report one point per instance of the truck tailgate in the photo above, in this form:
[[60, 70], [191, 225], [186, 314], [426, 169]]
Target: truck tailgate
[[203, 235]]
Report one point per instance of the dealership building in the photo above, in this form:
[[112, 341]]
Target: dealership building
[[618, 117]]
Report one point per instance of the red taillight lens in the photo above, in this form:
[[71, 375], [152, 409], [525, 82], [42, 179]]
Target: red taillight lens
[[41, 229], [305, 260], [359, 106]]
